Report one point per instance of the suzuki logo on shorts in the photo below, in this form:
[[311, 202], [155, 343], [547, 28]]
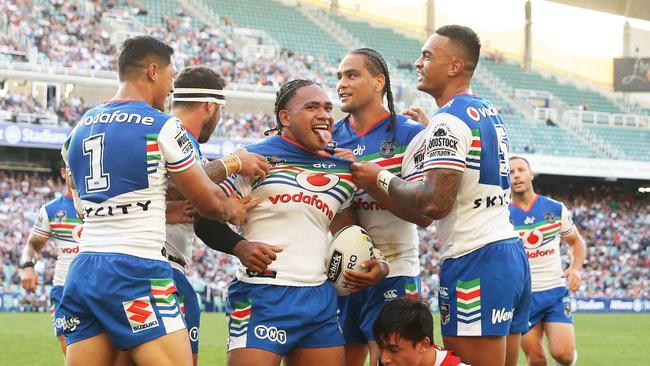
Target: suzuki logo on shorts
[[140, 314], [502, 315], [390, 295], [273, 334]]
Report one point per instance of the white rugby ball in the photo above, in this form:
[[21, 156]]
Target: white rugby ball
[[349, 247]]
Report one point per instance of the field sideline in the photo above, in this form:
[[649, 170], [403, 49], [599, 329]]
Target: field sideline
[[603, 339]]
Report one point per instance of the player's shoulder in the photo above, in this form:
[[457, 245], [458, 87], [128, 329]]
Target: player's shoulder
[[267, 146], [406, 123], [548, 201]]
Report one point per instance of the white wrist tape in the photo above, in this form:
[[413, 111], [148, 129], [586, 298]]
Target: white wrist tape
[[383, 180]]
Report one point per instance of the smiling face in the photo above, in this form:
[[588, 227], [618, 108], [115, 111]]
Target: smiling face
[[307, 118], [357, 87], [521, 177], [163, 79], [434, 65]]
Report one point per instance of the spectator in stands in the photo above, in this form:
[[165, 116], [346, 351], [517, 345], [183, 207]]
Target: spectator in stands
[[550, 123]]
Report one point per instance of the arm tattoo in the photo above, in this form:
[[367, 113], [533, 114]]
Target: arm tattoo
[[216, 171], [434, 197]]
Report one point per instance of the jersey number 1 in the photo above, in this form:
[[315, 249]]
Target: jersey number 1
[[98, 180]]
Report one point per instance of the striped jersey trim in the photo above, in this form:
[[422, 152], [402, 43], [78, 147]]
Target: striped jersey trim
[[181, 165], [444, 163]]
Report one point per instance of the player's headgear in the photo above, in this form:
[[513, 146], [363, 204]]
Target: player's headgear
[[136, 50], [282, 98], [198, 84], [377, 65], [466, 39], [406, 319]]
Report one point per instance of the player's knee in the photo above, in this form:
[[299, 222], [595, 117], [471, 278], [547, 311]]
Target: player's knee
[[564, 356], [536, 359]]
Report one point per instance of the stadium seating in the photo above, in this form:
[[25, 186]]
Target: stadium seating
[[633, 142], [539, 138], [157, 9], [514, 76], [285, 24]]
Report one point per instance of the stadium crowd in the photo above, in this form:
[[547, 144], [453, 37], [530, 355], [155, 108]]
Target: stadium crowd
[[616, 228], [83, 41]]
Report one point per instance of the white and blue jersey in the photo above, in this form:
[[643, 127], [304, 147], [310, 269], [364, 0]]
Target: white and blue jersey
[[484, 277], [541, 228], [387, 147], [290, 305], [57, 220], [119, 154], [467, 134]]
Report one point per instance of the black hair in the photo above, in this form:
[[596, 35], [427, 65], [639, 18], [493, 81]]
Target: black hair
[[197, 77], [282, 98], [137, 49], [466, 39], [405, 318], [521, 158], [377, 65]]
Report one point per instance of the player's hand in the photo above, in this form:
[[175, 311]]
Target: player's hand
[[28, 279], [364, 174], [240, 207], [416, 114], [254, 255], [377, 271], [179, 212], [573, 279], [345, 154], [252, 165]]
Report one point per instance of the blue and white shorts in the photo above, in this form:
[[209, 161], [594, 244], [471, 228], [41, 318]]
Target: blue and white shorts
[[132, 299], [551, 306], [280, 318], [486, 292]]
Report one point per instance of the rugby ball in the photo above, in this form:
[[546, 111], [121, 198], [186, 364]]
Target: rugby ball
[[349, 247]]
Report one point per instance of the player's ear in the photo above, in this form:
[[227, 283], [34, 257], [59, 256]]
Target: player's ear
[[456, 66], [380, 81], [152, 71], [424, 345], [284, 118]]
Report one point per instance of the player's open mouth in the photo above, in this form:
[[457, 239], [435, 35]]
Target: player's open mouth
[[322, 130], [343, 96]]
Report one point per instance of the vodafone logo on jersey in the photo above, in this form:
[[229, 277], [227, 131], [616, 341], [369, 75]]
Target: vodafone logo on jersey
[[76, 232], [70, 250], [532, 239], [317, 182], [539, 253], [473, 113]]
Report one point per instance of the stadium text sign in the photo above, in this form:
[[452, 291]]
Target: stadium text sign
[[28, 135]]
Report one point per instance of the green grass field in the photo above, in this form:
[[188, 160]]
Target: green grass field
[[602, 339]]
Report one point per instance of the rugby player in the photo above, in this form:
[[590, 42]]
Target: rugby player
[[404, 332], [287, 308], [56, 220], [373, 133], [484, 294], [198, 101], [120, 292], [542, 224]]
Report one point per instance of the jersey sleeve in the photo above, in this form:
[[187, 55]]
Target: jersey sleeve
[[175, 146], [447, 143], [567, 225], [413, 159], [42, 224], [236, 185]]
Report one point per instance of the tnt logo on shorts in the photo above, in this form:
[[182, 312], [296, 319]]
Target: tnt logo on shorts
[[140, 314]]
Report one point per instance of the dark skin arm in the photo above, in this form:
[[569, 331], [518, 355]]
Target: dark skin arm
[[434, 197]]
